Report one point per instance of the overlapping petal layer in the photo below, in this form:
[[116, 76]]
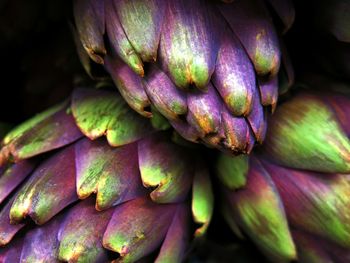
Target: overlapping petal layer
[[95, 144], [210, 68], [292, 198]]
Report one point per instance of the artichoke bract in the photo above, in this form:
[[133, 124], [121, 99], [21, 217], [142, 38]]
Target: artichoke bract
[[292, 197], [146, 186], [210, 67]]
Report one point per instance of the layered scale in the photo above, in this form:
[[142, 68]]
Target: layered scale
[[292, 198], [146, 187], [210, 68]]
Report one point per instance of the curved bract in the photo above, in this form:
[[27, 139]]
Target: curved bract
[[209, 67], [145, 185], [295, 203]]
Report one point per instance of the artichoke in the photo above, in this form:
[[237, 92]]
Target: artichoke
[[91, 180], [145, 185], [292, 197], [211, 68]]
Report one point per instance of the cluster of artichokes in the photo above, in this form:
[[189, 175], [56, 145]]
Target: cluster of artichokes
[[189, 120]]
